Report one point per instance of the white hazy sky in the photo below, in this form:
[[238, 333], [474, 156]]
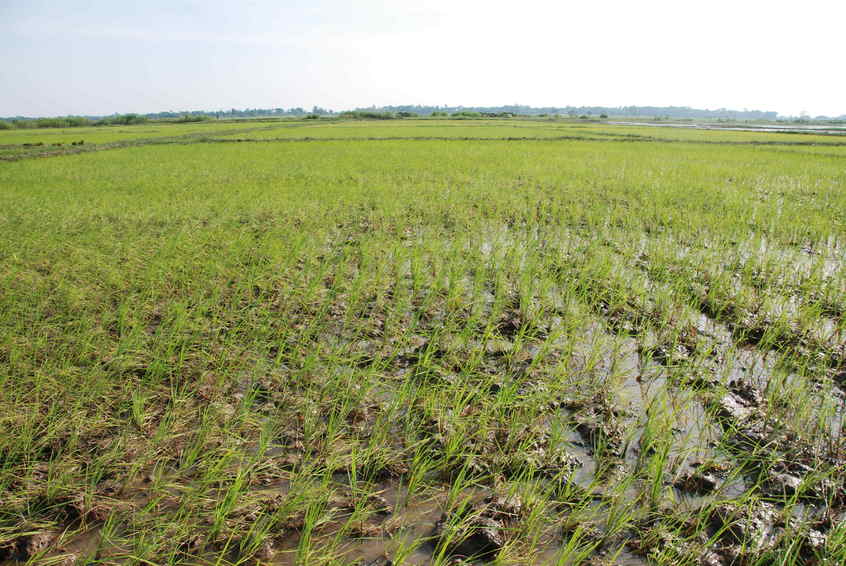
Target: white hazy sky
[[101, 56]]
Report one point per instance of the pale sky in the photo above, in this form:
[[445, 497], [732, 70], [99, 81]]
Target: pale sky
[[61, 57]]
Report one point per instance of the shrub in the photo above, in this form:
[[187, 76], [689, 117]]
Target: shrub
[[51, 123], [466, 114], [192, 118], [122, 120], [77, 121], [368, 115], [58, 122], [5, 125]]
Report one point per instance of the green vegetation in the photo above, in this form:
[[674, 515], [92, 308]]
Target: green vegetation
[[669, 112], [368, 115], [76, 122], [348, 342], [66, 122], [374, 115], [186, 118], [22, 143]]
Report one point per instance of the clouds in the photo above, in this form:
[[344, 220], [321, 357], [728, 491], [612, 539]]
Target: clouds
[[169, 55]]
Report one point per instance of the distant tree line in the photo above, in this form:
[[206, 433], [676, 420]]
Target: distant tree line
[[410, 111], [60, 122], [375, 115], [244, 113], [80, 121], [675, 112], [71, 121], [24, 122]]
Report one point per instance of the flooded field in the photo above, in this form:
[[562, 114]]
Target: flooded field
[[760, 128], [424, 342]]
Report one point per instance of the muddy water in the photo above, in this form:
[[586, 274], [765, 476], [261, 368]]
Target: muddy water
[[67, 547], [585, 474], [408, 530], [636, 382]]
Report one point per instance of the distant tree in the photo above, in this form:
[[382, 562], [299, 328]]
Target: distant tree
[[466, 114], [663, 112], [368, 115], [185, 118], [122, 120]]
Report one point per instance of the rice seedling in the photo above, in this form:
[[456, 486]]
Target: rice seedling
[[427, 341]]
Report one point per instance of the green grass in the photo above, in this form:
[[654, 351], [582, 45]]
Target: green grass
[[420, 128], [530, 128], [325, 352]]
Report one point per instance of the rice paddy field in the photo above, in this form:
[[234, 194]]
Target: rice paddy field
[[57, 137], [422, 342]]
